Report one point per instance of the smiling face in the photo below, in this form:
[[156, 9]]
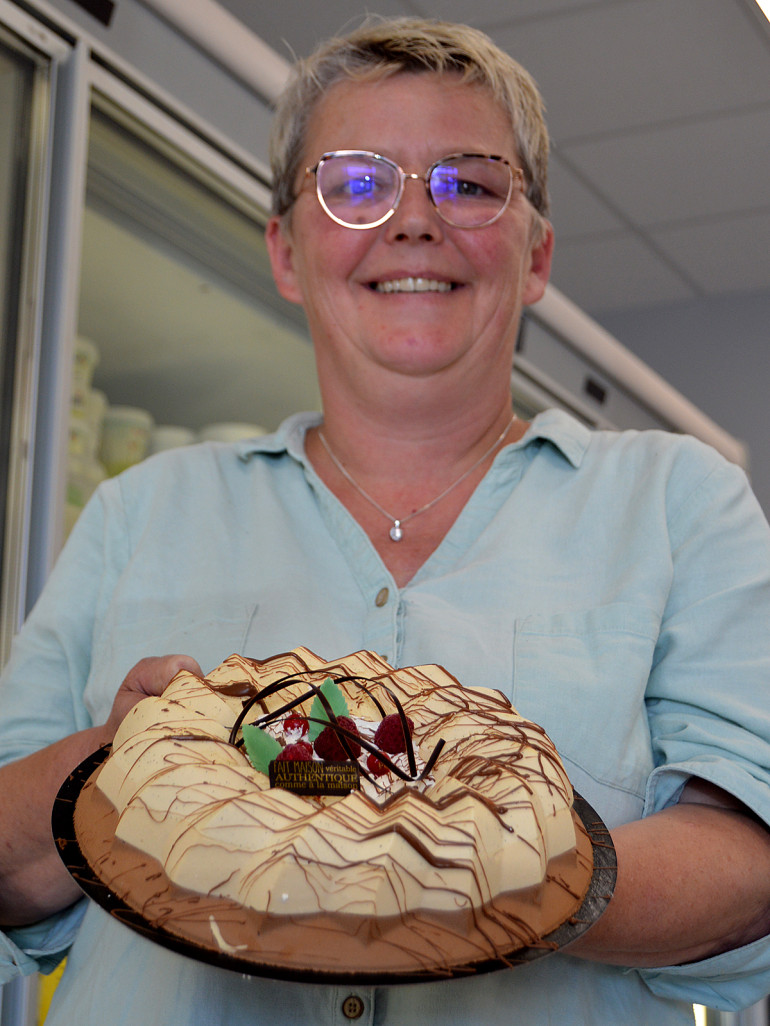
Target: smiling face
[[414, 297]]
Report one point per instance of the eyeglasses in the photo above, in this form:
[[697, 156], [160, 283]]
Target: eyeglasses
[[360, 189]]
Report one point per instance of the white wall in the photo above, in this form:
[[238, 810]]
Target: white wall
[[717, 353]]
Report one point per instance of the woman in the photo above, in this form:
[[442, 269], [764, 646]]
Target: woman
[[615, 586]]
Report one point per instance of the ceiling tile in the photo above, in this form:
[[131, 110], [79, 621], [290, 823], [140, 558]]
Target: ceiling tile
[[640, 63], [575, 209], [296, 26], [705, 167], [614, 272], [722, 255], [493, 12]]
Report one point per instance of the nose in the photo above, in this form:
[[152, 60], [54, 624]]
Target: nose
[[415, 218]]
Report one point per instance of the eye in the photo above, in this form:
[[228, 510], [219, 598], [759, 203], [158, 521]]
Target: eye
[[467, 187], [448, 184], [350, 182], [471, 179], [362, 186]]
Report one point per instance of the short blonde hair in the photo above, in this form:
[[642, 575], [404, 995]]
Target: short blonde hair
[[378, 49]]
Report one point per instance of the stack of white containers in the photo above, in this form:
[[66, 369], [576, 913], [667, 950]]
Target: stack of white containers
[[126, 434], [104, 440], [87, 410]]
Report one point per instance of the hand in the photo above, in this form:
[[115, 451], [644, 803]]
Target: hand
[[150, 676]]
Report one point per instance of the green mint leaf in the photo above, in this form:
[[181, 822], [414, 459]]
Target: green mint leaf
[[260, 747], [336, 700]]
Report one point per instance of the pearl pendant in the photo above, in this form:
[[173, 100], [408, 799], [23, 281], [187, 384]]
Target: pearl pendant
[[396, 531]]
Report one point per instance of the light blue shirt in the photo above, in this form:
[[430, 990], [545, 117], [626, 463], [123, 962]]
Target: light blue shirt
[[615, 586]]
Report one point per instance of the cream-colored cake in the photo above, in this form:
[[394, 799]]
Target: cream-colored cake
[[454, 868]]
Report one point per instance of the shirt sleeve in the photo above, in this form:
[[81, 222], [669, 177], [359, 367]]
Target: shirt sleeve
[[42, 685], [41, 701], [41, 947], [709, 694]]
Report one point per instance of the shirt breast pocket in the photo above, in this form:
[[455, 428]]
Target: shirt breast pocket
[[583, 675]]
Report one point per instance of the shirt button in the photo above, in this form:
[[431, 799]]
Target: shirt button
[[382, 597], [353, 1007]]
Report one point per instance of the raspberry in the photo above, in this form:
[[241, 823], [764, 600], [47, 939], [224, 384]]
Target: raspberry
[[295, 725], [375, 766], [389, 736], [329, 747], [300, 751]]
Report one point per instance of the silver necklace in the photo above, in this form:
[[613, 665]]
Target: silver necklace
[[397, 530]]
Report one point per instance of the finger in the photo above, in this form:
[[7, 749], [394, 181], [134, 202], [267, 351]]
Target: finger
[[152, 674]]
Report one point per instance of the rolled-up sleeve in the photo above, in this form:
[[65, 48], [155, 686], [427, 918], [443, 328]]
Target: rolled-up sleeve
[[709, 695], [39, 948]]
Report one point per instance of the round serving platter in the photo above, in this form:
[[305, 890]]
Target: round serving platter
[[86, 876]]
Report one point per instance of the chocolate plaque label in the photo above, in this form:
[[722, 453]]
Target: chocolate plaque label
[[314, 778]]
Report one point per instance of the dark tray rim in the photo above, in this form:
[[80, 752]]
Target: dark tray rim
[[597, 898]]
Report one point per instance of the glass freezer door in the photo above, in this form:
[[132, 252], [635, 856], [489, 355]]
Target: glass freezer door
[[24, 95]]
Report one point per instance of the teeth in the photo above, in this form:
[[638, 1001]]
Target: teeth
[[413, 285]]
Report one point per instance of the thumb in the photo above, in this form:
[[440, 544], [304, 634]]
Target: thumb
[[151, 675]]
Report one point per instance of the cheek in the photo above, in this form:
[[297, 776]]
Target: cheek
[[333, 257], [490, 251], [501, 266]]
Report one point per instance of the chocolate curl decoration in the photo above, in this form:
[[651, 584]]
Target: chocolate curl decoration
[[270, 689], [344, 735]]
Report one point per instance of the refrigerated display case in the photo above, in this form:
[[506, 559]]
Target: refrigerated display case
[[186, 333], [156, 236]]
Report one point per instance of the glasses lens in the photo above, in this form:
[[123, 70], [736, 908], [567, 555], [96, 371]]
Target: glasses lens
[[470, 191], [357, 189]]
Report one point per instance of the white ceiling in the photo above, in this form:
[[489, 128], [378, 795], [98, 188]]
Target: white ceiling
[[659, 112]]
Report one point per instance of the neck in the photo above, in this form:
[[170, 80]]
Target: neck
[[408, 494], [400, 430], [409, 453], [441, 409], [405, 438], [396, 530]]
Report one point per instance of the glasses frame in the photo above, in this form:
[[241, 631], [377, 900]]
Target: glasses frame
[[515, 181]]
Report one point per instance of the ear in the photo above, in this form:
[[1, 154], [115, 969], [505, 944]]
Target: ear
[[540, 258], [280, 249]]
